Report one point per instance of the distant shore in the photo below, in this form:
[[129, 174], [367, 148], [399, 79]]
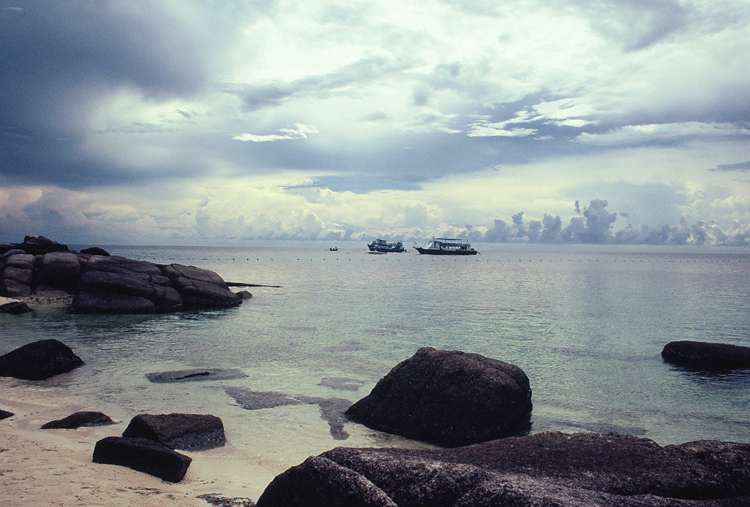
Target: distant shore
[[55, 467]]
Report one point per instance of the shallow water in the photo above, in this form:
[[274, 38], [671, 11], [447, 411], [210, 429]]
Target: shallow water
[[587, 328]]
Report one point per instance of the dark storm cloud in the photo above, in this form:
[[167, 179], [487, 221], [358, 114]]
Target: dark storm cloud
[[59, 59]]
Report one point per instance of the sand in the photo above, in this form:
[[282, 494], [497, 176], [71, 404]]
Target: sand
[[54, 467]]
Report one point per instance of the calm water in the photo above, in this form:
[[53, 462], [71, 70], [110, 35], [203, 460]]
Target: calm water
[[587, 328]]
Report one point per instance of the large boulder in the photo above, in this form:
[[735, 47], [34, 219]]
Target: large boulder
[[59, 270], [143, 455], [4, 414], [17, 275], [449, 398], [179, 431], [706, 356], [201, 288], [39, 360], [547, 469], [118, 285]]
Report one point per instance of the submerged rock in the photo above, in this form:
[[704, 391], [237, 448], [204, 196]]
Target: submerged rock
[[449, 398], [706, 356], [547, 469], [195, 375], [39, 360]]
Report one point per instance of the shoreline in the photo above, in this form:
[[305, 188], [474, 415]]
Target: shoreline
[[55, 466]]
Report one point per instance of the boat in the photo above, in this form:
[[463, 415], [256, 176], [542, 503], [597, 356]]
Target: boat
[[333, 249], [381, 245], [446, 246]]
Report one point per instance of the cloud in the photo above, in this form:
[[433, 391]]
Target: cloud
[[416, 118], [300, 131], [662, 133], [740, 167]]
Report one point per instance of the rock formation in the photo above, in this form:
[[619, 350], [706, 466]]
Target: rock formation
[[449, 398], [546, 469], [102, 283]]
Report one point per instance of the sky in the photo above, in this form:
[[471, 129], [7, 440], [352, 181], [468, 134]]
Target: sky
[[220, 122]]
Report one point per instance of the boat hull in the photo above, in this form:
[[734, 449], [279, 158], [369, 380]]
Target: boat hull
[[435, 251]]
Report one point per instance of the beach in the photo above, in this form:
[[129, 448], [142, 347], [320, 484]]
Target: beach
[[55, 467]]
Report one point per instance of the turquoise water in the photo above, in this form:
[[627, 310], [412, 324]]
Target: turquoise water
[[587, 328]]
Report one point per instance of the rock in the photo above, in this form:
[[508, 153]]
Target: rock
[[449, 398], [201, 288], [320, 482], [4, 414], [15, 308], [79, 419], [143, 455], [546, 469], [706, 356], [95, 250], [101, 283], [195, 375], [245, 294], [17, 275], [119, 285], [40, 245], [39, 360], [59, 270], [179, 431]]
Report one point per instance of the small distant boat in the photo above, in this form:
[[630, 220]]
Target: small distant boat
[[446, 246], [334, 249], [381, 245]]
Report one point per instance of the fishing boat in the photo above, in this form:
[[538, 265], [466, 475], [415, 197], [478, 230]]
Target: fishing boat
[[381, 245], [446, 246]]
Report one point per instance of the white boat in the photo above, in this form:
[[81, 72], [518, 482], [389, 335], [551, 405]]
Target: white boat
[[446, 246]]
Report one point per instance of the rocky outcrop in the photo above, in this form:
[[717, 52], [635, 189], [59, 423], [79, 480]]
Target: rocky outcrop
[[119, 285], [706, 356], [449, 398], [78, 420], [39, 360], [179, 431], [144, 455], [546, 469], [102, 283], [4, 414]]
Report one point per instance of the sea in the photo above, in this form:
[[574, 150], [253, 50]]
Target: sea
[[587, 326]]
